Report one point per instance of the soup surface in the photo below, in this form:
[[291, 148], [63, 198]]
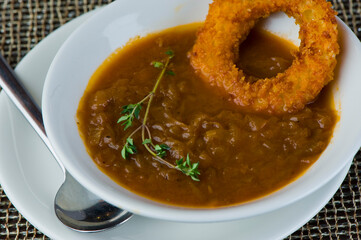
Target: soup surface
[[242, 156]]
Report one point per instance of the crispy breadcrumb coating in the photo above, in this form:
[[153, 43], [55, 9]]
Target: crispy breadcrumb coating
[[228, 24]]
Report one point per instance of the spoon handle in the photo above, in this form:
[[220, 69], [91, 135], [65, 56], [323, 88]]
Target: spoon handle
[[24, 102]]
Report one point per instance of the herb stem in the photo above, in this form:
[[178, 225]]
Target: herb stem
[[160, 76], [144, 126], [140, 102], [146, 117], [159, 159], [143, 100], [149, 135], [151, 94], [136, 130]]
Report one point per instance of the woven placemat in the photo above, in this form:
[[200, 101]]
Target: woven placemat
[[24, 23]]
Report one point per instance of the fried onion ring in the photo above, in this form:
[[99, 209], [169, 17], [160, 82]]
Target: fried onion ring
[[227, 25]]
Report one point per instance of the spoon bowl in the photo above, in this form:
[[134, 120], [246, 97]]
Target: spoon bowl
[[89, 212]]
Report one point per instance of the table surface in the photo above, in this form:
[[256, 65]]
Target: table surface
[[23, 23]]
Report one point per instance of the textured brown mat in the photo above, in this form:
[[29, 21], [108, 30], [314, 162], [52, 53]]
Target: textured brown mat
[[24, 23]]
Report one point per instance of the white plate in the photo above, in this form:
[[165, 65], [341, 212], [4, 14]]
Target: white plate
[[111, 28], [31, 177]]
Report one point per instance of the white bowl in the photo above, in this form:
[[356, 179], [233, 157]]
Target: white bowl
[[110, 29]]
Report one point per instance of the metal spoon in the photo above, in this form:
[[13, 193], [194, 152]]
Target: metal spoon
[[74, 205]]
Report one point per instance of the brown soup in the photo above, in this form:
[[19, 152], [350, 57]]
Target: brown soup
[[242, 156]]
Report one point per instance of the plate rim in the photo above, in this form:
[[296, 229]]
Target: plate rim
[[8, 191]]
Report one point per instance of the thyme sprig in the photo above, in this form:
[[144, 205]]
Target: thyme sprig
[[188, 168], [158, 151], [130, 112]]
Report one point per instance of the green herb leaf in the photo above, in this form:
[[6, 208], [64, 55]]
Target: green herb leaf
[[170, 53], [137, 111], [128, 108], [188, 168], [147, 141], [129, 148], [157, 64], [161, 150], [124, 153], [131, 111], [123, 118], [164, 146], [171, 73], [127, 121], [130, 141]]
